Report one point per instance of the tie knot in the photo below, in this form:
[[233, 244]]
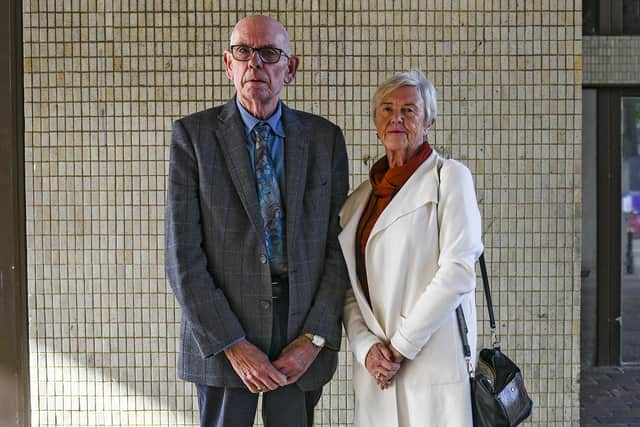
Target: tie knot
[[261, 131]]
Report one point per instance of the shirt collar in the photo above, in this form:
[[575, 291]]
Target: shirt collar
[[275, 121]]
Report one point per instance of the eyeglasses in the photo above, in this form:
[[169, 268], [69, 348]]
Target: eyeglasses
[[268, 55]]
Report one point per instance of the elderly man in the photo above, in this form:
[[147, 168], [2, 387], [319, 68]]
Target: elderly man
[[252, 254]]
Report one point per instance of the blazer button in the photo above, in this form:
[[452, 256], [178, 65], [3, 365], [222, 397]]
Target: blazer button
[[265, 304], [263, 258]]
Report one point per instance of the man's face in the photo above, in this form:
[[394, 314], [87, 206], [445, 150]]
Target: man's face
[[258, 85]]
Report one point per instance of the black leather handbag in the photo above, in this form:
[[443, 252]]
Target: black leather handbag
[[498, 395]]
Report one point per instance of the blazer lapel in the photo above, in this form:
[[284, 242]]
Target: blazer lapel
[[295, 162], [232, 139]]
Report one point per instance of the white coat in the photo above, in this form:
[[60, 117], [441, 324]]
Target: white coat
[[420, 260]]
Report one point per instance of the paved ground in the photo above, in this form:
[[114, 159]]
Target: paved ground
[[610, 397]]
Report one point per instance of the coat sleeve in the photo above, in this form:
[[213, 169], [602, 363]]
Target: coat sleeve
[[325, 315], [203, 304], [360, 337], [460, 246]]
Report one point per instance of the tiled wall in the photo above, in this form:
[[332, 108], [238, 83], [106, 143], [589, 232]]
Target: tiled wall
[[105, 79], [611, 60]]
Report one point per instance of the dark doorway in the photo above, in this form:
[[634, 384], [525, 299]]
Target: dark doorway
[[611, 227]]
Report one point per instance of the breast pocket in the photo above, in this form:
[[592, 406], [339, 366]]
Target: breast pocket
[[317, 198]]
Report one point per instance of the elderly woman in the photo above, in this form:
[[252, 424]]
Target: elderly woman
[[411, 237]]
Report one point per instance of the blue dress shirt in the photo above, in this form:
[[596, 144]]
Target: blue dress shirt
[[276, 143]]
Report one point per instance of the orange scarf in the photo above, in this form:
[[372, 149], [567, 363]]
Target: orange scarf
[[386, 183]]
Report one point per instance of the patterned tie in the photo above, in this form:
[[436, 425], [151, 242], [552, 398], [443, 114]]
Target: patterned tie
[[271, 207]]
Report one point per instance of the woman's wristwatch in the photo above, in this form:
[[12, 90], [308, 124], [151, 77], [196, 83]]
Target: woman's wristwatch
[[316, 340]]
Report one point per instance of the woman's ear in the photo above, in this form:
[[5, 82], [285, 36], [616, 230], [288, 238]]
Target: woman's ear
[[430, 125]]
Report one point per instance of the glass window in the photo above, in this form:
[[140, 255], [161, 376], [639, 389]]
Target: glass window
[[630, 229]]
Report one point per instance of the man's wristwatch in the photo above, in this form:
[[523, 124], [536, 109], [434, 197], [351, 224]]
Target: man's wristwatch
[[316, 340]]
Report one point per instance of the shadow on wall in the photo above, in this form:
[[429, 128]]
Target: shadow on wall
[[108, 358]]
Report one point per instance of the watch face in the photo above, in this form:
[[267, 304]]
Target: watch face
[[318, 341]]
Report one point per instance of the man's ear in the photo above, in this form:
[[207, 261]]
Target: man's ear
[[228, 60], [292, 69]]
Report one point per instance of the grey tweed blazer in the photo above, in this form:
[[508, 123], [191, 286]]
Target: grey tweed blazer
[[215, 253]]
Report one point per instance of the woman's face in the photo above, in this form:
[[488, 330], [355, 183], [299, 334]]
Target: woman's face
[[399, 120]]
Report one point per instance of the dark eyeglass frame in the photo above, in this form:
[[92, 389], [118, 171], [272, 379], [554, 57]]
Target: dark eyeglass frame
[[260, 50]]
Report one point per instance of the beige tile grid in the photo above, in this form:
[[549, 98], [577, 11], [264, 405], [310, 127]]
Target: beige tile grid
[[611, 60], [103, 82]]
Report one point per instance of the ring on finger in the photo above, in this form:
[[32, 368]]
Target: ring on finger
[[378, 375]]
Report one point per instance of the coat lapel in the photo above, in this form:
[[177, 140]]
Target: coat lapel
[[349, 219], [421, 188], [232, 139]]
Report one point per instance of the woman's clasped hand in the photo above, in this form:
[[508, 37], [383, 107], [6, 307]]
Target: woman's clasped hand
[[383, 363]]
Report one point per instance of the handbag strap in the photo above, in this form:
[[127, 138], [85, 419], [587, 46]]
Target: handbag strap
[[487, 296], [483, 270], [487, 293], [462, 324]]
